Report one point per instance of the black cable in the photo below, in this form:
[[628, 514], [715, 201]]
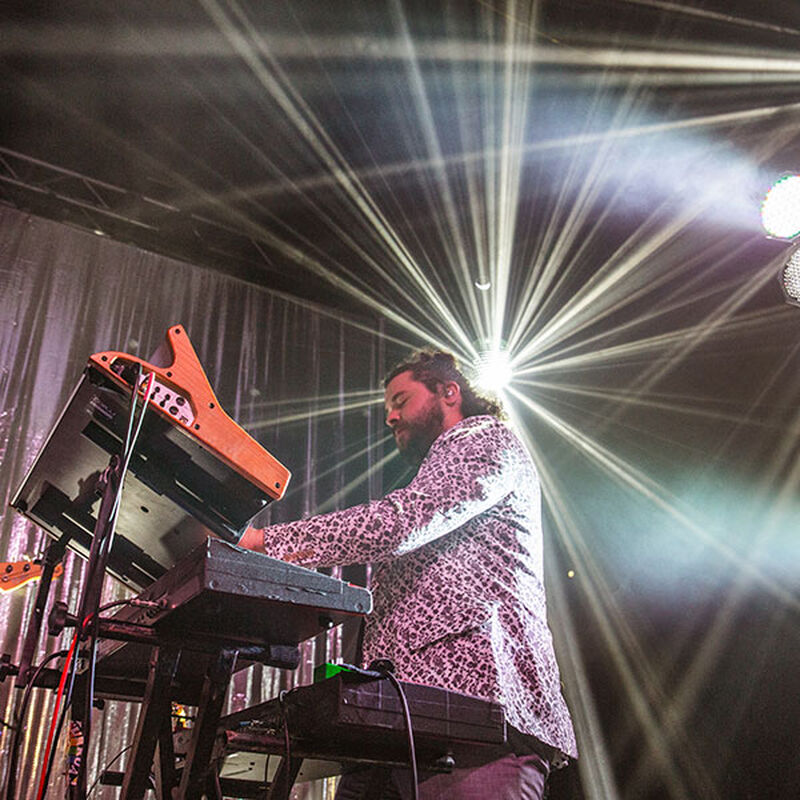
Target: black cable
[[287, 743], [105, 768], [114, 603], [383, 668], [20, 727], [70, 689], [89, 682], [130, 601], [412, 753]]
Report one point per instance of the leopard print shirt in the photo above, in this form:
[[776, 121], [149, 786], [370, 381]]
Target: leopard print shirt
[[457, 584]]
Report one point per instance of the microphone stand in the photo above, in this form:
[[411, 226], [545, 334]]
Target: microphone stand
[[109, 486]]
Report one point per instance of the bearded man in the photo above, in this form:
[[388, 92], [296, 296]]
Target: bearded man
[[458, 589]]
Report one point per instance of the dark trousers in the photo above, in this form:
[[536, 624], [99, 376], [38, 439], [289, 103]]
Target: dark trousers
[[520, 775]]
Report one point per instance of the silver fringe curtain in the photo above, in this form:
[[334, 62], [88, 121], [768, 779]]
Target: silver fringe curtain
[[280, 368]]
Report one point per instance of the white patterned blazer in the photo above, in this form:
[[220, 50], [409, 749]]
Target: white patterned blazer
[[458, 590]]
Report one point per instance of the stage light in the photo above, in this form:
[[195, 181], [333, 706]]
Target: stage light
[[790, 279], [780, 210], [493, 370]]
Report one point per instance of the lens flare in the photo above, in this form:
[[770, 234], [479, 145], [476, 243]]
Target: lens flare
[[493, 370]]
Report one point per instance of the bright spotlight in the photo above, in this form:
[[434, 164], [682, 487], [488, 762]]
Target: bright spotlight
[[493, 370], [780, 211], [790, 279]]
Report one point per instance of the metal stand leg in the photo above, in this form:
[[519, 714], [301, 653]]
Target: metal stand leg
[[284, 778], [108, 486], [153, 719], [195, 778], [166, 774]]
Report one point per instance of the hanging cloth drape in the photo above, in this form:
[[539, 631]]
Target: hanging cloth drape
[[282, 369]]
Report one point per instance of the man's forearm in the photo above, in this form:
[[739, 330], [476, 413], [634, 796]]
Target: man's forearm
[[488, 462]]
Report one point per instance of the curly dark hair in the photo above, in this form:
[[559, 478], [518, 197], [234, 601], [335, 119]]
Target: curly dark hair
[[434, 368]]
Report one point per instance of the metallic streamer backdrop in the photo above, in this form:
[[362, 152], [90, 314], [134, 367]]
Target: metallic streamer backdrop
[[274, 364]]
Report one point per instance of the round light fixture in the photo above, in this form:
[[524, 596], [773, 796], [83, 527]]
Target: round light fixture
[[780, 210], [790, 279]]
